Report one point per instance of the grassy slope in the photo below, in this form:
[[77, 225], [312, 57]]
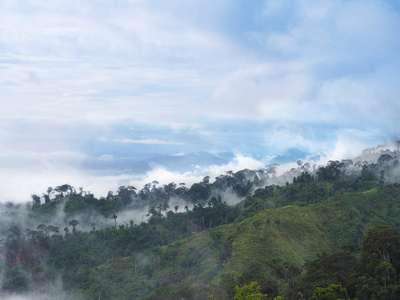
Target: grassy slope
[[292, 233]]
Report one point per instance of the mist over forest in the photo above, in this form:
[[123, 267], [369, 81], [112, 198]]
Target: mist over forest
[[134, 203], [65, 233]]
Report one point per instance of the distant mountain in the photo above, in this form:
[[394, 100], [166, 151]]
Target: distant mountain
[[291, 155], [188, 161], [183, 162], [175, 163]]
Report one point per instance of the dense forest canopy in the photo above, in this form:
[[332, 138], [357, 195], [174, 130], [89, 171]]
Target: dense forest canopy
[[312, 232]]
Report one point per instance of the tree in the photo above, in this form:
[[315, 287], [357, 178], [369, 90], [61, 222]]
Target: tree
[[380, 245], [51, 228], [126, 194], [47, 196], [326, 269], [304, 179], [206, 180], [36, 202], [155, 182], [332, 292], [15, 231], [384, 160], [73, 223], [164, 206], [385, 273], [381, 178], [332, 171], [199, 192], [66, 231], [110, 196], [42, 228], [367, 174], [65, 188], [115, 219], [15, 280], [249, 291]]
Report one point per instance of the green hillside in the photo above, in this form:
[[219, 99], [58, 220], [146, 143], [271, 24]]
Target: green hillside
[[293, 234], [321, 233]]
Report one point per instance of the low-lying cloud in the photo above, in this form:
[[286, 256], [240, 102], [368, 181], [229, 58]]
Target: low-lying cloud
[[20, 182], [111, 82]]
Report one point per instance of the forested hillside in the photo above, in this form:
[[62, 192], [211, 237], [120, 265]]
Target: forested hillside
[[313, 232]]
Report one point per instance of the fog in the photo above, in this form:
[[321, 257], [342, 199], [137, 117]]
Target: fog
[[20, 183], [17, 214], [34, 177], [47, 291]]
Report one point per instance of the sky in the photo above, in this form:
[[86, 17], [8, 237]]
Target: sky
[[88, 85]]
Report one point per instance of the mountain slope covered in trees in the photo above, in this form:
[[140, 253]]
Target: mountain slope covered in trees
[[290, 238]]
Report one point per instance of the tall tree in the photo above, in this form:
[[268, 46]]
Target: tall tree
[[74, 223], [36, 202], [249, 291], [380, 245], [115, 219]]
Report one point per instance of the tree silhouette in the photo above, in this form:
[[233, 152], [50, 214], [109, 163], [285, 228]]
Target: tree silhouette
[[381, 178], [73, 223], [36, 202], [115, 219]]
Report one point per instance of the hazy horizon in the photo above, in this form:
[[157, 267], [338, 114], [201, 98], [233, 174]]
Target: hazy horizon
[[88, 87]]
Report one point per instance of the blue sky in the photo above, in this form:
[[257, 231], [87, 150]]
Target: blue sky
[[103, 81]]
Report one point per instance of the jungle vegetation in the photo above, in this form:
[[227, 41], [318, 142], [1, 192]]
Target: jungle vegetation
[[324, 232]]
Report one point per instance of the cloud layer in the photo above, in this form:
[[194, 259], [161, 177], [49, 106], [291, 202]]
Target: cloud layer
[[135, 79]]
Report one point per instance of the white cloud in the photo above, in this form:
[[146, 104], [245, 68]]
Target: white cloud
[[34, 160], [342, 149], [19, 183], [258, 91], [106, 157], [178, 154], [288, 135], [150, 142], [164, 176], [141, 141], [119, 77], [72, 70]]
